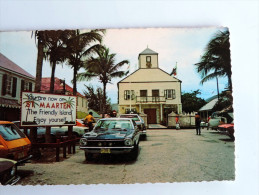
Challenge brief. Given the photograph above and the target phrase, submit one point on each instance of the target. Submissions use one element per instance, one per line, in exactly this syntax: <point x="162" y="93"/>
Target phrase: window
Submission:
<point x="115" y="125"/>
<point x="8" y="85"/>
<point x="155" y="93"/>
<point x="170" y="94"/>
<point x="26" y="86"/>
<point x="127" y="94"/>
<point x="10" y="132"/>
<point x="143" y="93"/>
<point x="148" y="58"/>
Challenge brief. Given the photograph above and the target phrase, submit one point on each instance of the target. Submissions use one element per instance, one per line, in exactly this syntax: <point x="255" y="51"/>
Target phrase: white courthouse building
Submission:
<point x="150" y="90"/>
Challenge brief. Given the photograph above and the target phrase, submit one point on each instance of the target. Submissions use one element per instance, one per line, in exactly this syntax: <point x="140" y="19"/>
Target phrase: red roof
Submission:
<point x="8" y="64"/>
<point x="58" y="86"/>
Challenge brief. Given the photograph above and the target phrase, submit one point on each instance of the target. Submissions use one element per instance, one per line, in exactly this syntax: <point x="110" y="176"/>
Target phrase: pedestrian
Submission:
<point x="89" y="120"/>
<point x="198" y="123"/>
<point x="177" y="124"/>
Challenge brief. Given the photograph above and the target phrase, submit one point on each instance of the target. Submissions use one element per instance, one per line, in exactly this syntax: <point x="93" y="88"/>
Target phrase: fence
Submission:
<point x="66" y="145"/>
<point x="186" y="120"/>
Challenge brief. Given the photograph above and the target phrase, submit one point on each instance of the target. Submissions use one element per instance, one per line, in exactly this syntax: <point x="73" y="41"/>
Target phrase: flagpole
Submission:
<point x="175" y="69"/>
<point x="130" y="97"/>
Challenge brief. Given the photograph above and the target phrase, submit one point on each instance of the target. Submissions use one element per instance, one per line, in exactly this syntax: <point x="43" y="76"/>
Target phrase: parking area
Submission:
<point x="165" y="156"/>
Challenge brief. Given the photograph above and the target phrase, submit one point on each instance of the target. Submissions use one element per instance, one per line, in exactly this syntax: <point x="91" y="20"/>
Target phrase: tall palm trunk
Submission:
<point x="74" y="81"/>
<point x="39" y="66"/>
<point x="104" y="99"/>
<point x="52" y="79"/>
<point x="217" y="86"/>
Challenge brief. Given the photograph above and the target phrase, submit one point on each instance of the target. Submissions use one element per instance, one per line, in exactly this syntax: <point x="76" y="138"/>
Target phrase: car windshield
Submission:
<point x="117" y="125"/>
<point x="133" y="117"/>
<point x="10" y="132"/>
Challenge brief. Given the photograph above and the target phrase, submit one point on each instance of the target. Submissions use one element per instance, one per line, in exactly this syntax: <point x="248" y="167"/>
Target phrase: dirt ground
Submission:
<point x="165" y="156"/>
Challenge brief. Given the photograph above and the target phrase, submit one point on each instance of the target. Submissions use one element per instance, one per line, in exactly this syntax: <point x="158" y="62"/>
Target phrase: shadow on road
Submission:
<point x="110" y="159"/>
<point x="216" y="132"/>
<point x="24" y="173"/>
<point x="227" y="140"/>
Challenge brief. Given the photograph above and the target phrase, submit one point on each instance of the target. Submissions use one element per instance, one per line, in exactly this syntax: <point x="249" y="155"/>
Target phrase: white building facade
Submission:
<point x="150" y="90"/>
<point x="13" y="80"/>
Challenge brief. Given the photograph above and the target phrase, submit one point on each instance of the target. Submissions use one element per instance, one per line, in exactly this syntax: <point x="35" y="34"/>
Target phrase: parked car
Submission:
<point x="14" y="144"/>
<point x="218" y="118"/>
<point x="78" y="131"/>
<point x="204" y="124"/>
<point x="57" y="132"/>
<point x="8" y="172"/>
<point x="228" y="129"/>
<point x="139" y="121"/>
<point x="112" y="136"/>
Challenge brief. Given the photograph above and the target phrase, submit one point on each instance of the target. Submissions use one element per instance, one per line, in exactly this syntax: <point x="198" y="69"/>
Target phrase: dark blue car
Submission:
<point x="112" y="136"/>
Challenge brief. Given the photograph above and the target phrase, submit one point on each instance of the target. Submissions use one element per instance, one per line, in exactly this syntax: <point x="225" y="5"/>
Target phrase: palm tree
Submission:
<point x="79" y="47"/>
<point x="40" y="36"/>
<point x="216" y="61"/>
<point x="56" y="50"/>
<point x="104" y="68"/>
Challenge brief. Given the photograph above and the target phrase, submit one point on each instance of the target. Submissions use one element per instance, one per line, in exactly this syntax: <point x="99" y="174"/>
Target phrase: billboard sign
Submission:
<point x="39" y="109"/>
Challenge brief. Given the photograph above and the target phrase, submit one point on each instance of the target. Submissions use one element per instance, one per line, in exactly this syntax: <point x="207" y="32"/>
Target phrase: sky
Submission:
<point x="183" y="46"/>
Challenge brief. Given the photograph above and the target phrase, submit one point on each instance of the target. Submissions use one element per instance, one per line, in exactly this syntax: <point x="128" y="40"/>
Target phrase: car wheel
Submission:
<point x="232" y="137"/>
<point x="88" y="156"/>
<point x="144" y="137"/>
<point x="134" y="152"/>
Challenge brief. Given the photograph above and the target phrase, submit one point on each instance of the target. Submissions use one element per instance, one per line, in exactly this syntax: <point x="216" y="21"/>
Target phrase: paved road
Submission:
<point x="166" y="156"/>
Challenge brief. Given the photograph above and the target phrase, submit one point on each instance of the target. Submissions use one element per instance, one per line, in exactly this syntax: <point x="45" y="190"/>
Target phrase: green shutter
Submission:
<point x="22" y="85"/>
<point x="14" y="87"/>
<point x="4" y="84"/>
<point x="30" y="86"/>
<point x="125" y="94"/>
<point x="132" y="95"/>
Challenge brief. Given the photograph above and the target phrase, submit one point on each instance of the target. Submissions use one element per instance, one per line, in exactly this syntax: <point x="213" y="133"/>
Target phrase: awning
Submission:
<point x="7" y="103"/>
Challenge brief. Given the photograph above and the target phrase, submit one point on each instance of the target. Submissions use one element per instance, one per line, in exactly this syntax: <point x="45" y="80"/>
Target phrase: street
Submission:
<point x="165" y="156"/>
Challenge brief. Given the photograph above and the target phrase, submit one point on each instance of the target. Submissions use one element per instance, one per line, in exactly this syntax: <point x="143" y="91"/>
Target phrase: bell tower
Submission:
<point x="148" y="59"/>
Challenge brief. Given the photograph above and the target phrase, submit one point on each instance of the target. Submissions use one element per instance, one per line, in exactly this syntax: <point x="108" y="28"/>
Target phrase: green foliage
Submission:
<point x="225" y="102"/>
<point x="190" y="101"/>
<point x="81" y="46"/>
<point x="95" y="97"/>
<point x="103" y="67"/>
<point x="80" y="114"/>
<point x="216" y="61"/>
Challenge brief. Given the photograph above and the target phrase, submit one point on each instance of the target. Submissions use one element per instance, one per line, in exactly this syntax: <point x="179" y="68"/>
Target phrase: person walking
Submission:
<point x="198" y="123"/>
<point x="177" y="124"/>
<point x="89" y="120"/>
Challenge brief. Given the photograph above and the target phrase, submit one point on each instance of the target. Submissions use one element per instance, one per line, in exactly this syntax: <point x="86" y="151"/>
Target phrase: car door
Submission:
<point x="136" y="133"/>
